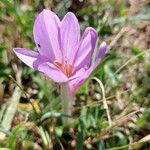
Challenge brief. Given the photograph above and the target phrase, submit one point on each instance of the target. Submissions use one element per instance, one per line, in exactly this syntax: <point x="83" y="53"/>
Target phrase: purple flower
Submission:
<point x="62" y="55"/>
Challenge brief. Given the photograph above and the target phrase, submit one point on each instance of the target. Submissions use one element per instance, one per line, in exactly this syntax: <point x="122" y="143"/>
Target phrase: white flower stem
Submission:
<point x="67" y="101"/>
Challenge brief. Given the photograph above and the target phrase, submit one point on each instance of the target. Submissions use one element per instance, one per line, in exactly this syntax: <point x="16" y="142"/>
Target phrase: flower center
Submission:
<point x="66" y="68"/>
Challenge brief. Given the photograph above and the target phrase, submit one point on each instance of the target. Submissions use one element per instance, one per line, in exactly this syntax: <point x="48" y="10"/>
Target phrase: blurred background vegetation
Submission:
<point x="30" y="103"/>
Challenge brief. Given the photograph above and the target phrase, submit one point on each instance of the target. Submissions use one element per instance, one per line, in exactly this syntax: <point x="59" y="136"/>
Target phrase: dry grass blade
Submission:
<point x="1" y="93"/>
<point x="127" y="63"/>
<point x="145" y="139"/>
<point x="97" y="103"/>
<point x="118" y="36"/>
<point x="104" y="100"/>
<point x="117" y="122"/>
<point x="130" y="60"/>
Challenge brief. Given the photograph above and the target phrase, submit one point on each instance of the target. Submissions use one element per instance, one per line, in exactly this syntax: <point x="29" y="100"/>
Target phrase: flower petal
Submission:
<point x="27" y="56"/>
<point x="69" y="36"/>
<point x="101" y="51"/>
<point x="46" y="35"/>
<point x="74" y="84"/>
<point x="52" y="72"/>
<point x="78" y="73"/>
<point x="85" y="51"/>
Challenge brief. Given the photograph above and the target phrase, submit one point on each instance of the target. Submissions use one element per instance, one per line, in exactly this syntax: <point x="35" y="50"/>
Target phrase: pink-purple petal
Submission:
<point x="27" y="56"/>
<point x="46" y="34"/>
<point x="69" y="36"/>
<point x="101" y="51"/>
<point x="52" y="72"/>
<point x="74" y="84"/>
<point x="78" y="73"/>
<point x="84" y="55"/>
<point x="60" y="41"/>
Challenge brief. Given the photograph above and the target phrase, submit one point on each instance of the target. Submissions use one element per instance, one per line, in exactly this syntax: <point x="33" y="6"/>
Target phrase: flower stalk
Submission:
<point x="67" y="103"/>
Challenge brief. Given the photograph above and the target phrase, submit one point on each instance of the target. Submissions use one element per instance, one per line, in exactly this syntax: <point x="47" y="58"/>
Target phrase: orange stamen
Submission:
<point x="68" y="70"/>
<point x="58" y="64"/>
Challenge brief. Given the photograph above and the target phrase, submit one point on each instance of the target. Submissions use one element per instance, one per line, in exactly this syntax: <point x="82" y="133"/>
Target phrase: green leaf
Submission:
<point x="15" y="134"/>
<point x="11" y="109"/>
<point x="80" y="138"/>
